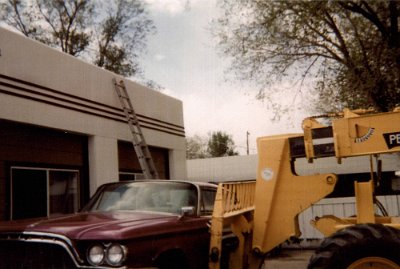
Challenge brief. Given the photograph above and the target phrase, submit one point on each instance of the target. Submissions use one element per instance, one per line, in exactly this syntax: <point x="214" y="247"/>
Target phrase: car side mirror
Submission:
<point x="187" y="211"/>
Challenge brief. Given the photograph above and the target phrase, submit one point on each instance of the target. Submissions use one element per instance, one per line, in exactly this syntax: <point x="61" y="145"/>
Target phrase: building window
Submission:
<point x="40" y="192"/>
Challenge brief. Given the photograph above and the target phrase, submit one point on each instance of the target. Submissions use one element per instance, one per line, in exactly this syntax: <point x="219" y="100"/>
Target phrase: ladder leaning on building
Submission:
<point x="139" y="143"/>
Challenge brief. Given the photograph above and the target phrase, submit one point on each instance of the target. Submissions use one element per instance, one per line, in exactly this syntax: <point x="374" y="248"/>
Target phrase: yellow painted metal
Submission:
<point x="357" y="135"/>
<point x="373" y="263"/>
<point x="216" y="230"/>
<point x="233" y="208"/>
<point x="282" y="195"/>
<point x="308" y="125"/>
<point x="364" y="202"/>
<point x="328" y="225"/>
<point x="241" y="227"/>
<point x="358" y="132"/>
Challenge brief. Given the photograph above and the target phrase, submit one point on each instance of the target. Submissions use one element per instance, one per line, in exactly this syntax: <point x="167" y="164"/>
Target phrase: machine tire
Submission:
<point x="358" y="246"/>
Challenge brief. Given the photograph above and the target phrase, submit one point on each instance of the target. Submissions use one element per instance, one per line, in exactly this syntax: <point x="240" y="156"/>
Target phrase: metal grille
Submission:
<point x="33" y="255"/>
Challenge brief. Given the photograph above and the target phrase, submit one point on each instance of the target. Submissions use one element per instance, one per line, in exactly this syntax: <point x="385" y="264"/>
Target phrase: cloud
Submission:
<point x="236" y="114"/>
<point x="159" y="57"/>
<point x="174" y="7"/>
<point x="168" y="6"/>
<point x="182" y="59"/>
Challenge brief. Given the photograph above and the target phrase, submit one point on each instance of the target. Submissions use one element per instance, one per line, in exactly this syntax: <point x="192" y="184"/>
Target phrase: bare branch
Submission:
<point x="369" y="14"/>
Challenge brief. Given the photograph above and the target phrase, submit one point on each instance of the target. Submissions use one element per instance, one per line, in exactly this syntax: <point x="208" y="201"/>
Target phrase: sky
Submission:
<point x="183" y="58"/>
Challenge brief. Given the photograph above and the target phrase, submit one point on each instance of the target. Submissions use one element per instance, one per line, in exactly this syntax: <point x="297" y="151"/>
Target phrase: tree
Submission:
<point x="112" y="34"/>
<point x="221" y="144"/>
<point x="123" y="37"/>
<point x="350" y="50"/>
<point x="196" y="147"/>
<point x="59" y="24"/>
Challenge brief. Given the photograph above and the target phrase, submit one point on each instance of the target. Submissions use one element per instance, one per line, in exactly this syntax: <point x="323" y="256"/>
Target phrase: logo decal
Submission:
<point x="366" y="136"/>
<point x="392" y="139"/>
<point x="267" y="174"/>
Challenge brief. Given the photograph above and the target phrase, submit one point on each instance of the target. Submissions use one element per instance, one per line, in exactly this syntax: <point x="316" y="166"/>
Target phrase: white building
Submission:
<point x="63" y="133"/>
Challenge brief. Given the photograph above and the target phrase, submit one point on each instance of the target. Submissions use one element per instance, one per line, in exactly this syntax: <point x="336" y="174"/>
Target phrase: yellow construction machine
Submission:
<point x="264" y="214"/>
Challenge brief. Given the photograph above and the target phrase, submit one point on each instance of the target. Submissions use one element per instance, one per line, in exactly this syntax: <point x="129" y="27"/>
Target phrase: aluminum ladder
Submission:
<point x="142" y="150"/>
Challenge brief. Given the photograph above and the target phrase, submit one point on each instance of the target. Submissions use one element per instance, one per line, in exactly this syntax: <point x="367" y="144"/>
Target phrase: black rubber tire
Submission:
<point x="354" y="243"/>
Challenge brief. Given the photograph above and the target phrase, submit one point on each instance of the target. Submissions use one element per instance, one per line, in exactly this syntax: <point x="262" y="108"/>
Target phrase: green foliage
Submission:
<point x="218" y="144"/>
<point x="60" y="24"/>
<point x="110" y="33"/>
<point x="350" y="50"/>
<point x="221" y="144"/>
<point x="123" y="36"/>
<point x="196" y="147"/>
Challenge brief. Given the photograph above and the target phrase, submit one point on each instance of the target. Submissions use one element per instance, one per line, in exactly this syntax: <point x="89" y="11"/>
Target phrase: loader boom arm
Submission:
<point x="280" y="195"/>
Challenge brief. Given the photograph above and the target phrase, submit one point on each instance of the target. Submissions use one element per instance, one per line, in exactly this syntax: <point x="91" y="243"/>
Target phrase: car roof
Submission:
<point x="200" y="184"/>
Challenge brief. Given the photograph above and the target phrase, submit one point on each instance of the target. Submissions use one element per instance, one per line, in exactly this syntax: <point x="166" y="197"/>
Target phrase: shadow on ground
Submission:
<point x="288" y="259"/>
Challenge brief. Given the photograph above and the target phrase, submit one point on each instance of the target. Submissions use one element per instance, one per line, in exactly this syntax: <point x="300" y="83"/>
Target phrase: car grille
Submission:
<point x="33" y="255"/>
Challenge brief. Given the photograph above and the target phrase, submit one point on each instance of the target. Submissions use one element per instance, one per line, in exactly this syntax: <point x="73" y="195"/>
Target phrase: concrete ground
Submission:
<point x="289" y="259"/>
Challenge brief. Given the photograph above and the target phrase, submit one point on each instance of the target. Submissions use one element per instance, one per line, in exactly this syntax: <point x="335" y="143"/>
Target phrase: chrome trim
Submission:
<point x="55" y="239"/>
<point x="64" y="241"/>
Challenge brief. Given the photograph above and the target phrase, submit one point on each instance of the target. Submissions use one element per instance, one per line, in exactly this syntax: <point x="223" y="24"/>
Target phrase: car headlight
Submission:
<point x="95" y="254"/>
<point x="115" y="254"/>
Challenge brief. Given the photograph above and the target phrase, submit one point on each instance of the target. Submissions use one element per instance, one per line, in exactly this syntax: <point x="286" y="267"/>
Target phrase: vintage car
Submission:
<point x="137" y="224"/>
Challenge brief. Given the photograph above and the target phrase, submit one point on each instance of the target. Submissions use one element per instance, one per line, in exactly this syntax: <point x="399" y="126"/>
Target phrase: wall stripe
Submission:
<point x="35" y="92"/>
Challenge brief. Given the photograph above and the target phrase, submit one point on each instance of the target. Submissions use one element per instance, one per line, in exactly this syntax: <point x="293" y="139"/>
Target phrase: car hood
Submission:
<point x="94" y="225"/>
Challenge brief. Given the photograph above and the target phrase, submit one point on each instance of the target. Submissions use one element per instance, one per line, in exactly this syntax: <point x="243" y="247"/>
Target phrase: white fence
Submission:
<point x="340" y="207"/>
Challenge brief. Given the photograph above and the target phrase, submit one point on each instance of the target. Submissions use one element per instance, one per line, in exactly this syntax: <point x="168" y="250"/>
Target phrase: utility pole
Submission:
<point x="247" y="141"/>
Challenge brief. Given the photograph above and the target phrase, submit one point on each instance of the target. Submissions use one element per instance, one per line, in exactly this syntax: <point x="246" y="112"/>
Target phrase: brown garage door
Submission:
<point x="41" y="152"/>
<point x="129" y="166"/>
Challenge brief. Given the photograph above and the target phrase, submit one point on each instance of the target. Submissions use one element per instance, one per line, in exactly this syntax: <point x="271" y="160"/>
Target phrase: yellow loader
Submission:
<point x="264" y="214"/>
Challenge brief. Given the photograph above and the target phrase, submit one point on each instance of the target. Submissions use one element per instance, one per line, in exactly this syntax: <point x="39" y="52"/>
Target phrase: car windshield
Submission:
<point x="167" y="197"/>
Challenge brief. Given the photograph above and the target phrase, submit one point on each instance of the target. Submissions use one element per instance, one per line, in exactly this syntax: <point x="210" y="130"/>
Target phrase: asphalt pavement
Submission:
<point x="289" y="259"/>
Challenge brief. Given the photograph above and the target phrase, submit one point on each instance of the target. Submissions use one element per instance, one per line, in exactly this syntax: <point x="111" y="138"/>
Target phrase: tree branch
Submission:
<point x="369" y="14"/>
<point x="343" y="47"/>
<point x="394" y="24"/>
<point x="19" y="22"/>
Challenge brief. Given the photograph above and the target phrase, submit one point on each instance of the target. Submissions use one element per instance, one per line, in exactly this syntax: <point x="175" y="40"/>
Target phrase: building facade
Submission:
<point x="63" y="132"/>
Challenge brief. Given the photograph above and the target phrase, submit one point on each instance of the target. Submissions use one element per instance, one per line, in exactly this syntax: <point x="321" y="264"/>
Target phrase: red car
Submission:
<point x="141" y="224"/>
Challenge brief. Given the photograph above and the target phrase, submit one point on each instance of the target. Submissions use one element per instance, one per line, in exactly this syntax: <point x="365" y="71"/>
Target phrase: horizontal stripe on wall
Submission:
<point x="38" y="93"/>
